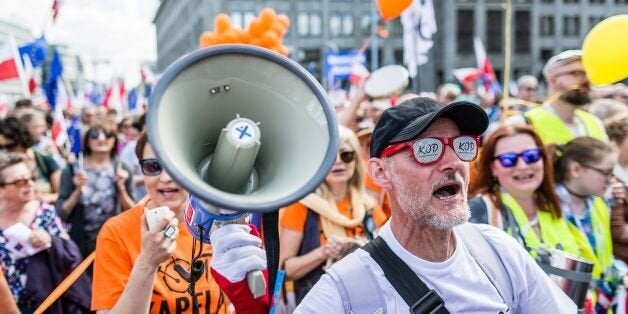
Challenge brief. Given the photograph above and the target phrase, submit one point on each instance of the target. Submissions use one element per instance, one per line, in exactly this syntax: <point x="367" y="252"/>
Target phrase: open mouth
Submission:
<point x="523" y="177"/>
<point x="447" y="190"/>
<point x="167" y="192"/>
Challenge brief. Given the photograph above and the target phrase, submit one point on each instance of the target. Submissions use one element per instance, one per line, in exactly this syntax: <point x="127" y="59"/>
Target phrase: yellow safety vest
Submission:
<point x="552" y="129"/>
<point x="602" y="256"/>
<point x="555" y="232"/>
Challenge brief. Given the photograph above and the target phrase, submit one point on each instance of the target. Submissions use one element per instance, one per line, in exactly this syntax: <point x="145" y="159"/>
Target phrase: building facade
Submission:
<point x="539" y="29"/>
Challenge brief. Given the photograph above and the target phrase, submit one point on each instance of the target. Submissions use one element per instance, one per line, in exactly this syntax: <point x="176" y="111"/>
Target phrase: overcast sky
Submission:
<point x="120" y="31"/>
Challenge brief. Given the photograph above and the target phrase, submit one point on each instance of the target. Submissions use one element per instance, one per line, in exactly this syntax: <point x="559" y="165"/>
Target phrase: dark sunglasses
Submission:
<point x="429" y="150"/>
<point x="529" y="156"/>
<point x="9" y="146"/>
<point x="20" y="183"/>
<point x="151" y="167"/>
<point x="347" y="156"/>
<point x="94" y="134"/>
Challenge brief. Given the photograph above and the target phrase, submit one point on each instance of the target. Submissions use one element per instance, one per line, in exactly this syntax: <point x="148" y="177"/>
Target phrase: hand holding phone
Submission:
<point x="153" y="215"/>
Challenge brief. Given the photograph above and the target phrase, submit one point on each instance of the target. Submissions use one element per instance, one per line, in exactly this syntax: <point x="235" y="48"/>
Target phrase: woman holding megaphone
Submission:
<point x="150" y="265"/>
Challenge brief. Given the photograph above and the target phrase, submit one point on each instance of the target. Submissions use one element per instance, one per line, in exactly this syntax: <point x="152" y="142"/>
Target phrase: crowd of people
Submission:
<point x="411" y="170"/>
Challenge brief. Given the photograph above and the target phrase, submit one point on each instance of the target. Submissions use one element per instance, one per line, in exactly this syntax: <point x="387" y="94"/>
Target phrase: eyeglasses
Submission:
<point x="529" y="156"/>
<point x="9" y="146"/>
<point x="605" y="173"/>
<point x="20" y="183"/>
<point x="347" y="156"/>
<point x="428" y="150"/>
<point x="151" y="167"/>
<point x="576" y="73"/>
<point x="94" y="134"/>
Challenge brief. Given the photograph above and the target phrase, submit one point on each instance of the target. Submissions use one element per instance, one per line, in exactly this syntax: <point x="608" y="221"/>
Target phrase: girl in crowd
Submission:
<point x="616" y="128"/>
<point x="95" y="189"/>
<point x="142" y="270"/>
<point x="14" y="137"/>
<point x="515" y="189"/>
<point x="29" y="275"/>
<point x="322" y="227"/>
<point x="584" y="172"/>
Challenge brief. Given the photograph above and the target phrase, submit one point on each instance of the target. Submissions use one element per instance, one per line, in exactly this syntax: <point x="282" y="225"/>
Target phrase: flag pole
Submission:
<point x="19" y="66"/>
<point x="507" y="48"/>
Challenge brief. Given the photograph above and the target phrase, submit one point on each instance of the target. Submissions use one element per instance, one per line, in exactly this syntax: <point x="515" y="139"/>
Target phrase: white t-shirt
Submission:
<point x="459" y="281"/>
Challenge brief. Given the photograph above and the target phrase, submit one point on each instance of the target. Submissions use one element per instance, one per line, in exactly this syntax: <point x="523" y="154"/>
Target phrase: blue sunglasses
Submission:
<point x="529" y="156"/>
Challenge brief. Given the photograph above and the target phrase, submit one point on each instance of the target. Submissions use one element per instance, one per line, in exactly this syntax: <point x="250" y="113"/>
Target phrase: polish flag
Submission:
<point x="59" y="127"/>
<point x="487" y="74"/>
<point x="358" y="73"/>
<point x="8" y="63"/>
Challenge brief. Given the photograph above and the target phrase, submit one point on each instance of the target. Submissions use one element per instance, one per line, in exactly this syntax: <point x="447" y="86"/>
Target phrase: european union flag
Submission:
<point x="74" y="134"/>
<point x="35" y="50"/>
<point x="56" y="69"/>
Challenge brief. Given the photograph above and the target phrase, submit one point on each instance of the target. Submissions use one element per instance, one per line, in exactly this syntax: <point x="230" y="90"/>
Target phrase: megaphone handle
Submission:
<point x="257" y="284"/>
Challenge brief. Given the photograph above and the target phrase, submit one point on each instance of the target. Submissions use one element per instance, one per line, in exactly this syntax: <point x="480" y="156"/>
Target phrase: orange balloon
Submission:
<point x="267" y="18"/>
<point x="284" y="20"/>
<point x="278" y="29"/>
<point x="256" y="42"/>
<point x="391" y="9"/>
<point x="207" y="39"/>
<point x="269" y="39"/>
<point x="283" y="50"/>
<point x="243" y="36"/>
<point x="255" y="29"/>
<point x="230" y="36"/>
<point x="222" y="22"/>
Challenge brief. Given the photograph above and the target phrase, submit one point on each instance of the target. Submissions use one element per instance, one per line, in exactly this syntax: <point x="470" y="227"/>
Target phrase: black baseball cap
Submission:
<point x="412" y="117"/>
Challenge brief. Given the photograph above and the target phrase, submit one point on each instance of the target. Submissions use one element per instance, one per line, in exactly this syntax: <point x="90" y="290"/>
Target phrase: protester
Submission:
<point x="34" y="264"/>
<point x="561" y="118"/>
<point x="516" y="191"/>
<point x="35" y="122"/>
<point x="127" y="155"/>
<point x="94" y="189"/>
<point x="427" y="185"/>
<point x="584" y="172"/>
<point x="323" y="226"/>
<point x="138" y="270"/>
<point x="15" y="138"/>
<point x="526" y="88"/>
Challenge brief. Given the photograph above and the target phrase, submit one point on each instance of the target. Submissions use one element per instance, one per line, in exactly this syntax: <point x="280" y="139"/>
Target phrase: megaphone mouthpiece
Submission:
<point x="231" y="166"/>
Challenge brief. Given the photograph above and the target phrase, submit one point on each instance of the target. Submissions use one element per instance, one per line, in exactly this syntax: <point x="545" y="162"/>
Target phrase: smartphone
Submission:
<point x="153" y="215"/>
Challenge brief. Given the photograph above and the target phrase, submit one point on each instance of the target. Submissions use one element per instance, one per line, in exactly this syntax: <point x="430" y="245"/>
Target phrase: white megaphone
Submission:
<point x="243" y="129"/>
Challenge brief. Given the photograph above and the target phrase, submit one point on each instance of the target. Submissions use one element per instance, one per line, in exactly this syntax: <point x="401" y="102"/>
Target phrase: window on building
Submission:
<point x="316" y="26"/>
<point x="546" y="27"/>
<point x="522" y="31"/>
<point x="365" y="23"/>
<point x="248" y="17"/>
<point x="303" y="24"/>
<point x="465" y="30"/>
<point x="547" y="1"/>
<point x="335" y="25"/>
<point x="571" y="26"/>
<point x="494" y="31"/>
<point x="572" y="1"/>
<point x="621" y="1"/>
<point x="546" y="54"/>
<point x="395" y="27"/>
<point x="347" y="24"/>
<point x="237" y="19"/>
<point x="597" y="1"/>
<point x="593" y="20"/>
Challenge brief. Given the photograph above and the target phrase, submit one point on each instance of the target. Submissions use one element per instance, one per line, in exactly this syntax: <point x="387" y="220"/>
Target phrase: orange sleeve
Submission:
<point x="112" y="268"/>
<point x="294" y="217"/>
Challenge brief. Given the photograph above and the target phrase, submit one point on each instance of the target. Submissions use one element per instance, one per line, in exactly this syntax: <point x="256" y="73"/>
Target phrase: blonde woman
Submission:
<point x="324" y="226"/>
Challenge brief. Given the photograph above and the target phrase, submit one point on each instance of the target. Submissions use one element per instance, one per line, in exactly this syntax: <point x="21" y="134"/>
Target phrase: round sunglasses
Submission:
<point x="429" y="150"/>
<point x="151" y="167"/>
<point x="529" y="156"/>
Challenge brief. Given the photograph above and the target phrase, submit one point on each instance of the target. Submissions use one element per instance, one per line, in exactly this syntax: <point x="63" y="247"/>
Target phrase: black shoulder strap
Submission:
<point x="417" y="295"/>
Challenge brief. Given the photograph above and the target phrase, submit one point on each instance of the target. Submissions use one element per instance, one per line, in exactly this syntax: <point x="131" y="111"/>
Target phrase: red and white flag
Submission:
<point x="59" y="127"/>
<point x="487" y="74"/>
<point x="358" y="73"/>
<point x="9" y="62"/>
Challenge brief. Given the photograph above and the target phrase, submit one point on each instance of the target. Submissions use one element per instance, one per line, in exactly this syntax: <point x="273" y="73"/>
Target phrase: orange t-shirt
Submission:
<point x="117" y="248"/>
<point x="294" y="216"/>
<point x="381" y="213"/>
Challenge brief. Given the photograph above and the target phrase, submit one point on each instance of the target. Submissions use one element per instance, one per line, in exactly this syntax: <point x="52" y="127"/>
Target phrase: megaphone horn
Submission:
<point x="202" y="93"/>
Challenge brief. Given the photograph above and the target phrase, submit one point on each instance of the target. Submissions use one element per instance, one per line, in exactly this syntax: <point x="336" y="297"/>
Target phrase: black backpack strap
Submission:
<point x="417" y="295"/>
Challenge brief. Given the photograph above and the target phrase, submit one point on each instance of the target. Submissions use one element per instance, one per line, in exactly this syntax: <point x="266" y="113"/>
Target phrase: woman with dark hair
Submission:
<point x="617" y="129"/>
<point x="95" y="189"/>
<point x="14" y="137"/>
<point x="515" y="189"/>
<point x="584" y="172"/>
